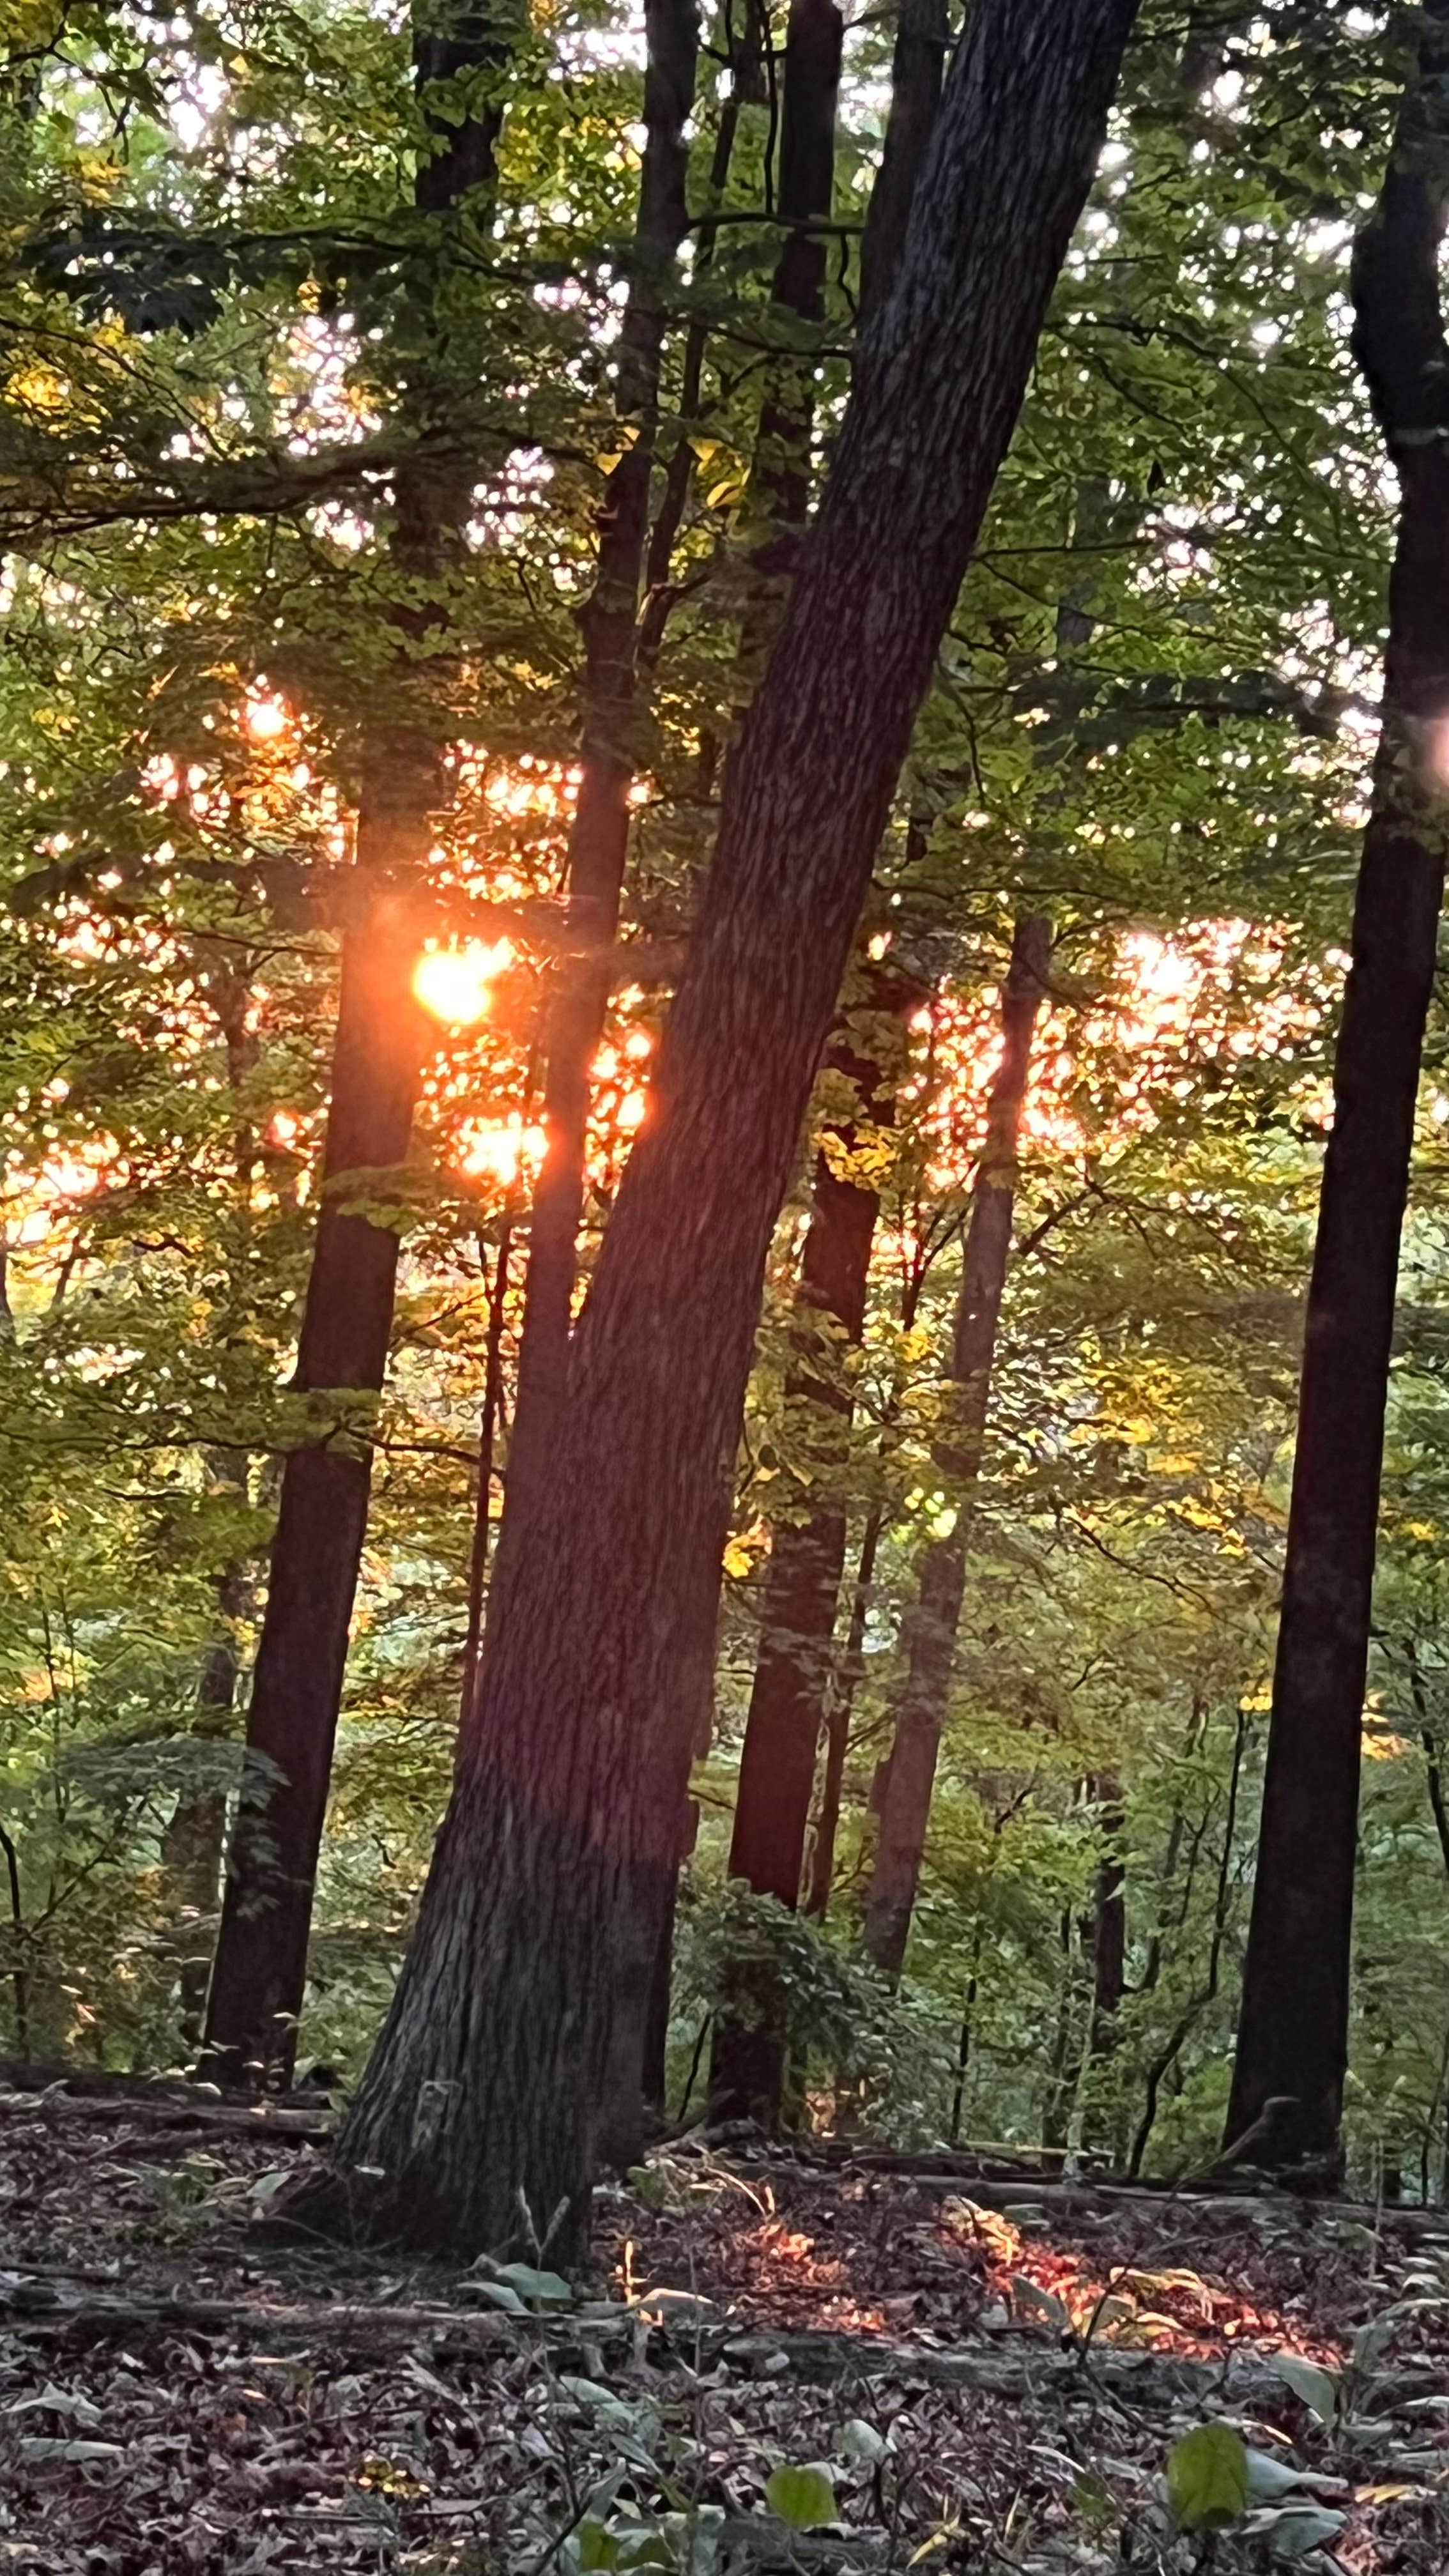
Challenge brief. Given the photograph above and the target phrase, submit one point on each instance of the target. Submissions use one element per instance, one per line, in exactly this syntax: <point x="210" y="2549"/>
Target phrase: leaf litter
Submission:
<point x="785" y="2408"/>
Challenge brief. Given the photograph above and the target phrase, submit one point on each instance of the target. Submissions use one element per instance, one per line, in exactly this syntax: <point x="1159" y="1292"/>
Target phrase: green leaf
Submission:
<point x="803" y="2496"/>
<point x="1207" y="2477"/>
<point x="1318" y="2388"/>
<point x="597" y="2546"/>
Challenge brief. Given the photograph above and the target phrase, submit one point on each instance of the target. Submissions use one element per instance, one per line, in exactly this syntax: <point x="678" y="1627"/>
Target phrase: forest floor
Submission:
<point x="989" y="2371"/>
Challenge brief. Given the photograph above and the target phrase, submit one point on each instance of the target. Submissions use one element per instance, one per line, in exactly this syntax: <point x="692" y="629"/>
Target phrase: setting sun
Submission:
<point x="453" y="983"/>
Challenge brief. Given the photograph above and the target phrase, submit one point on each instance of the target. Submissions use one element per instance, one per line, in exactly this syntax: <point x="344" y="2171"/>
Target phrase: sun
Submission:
<point x="453" y="984"/>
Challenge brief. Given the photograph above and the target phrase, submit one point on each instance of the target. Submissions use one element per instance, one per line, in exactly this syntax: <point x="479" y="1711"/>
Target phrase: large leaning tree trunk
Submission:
<point x="903" y="1794"/>
<point x="259" y="1973"/>
<point x="807" y="1555"/>
<point x="780" y="490"/>
<point x="599" y="834"/>
<point x="564" y="1822"/>
<point x="1293" y="2031"/>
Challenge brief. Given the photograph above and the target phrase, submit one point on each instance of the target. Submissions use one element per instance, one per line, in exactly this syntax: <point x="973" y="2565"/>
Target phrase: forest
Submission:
<point x="724" y="1286"/>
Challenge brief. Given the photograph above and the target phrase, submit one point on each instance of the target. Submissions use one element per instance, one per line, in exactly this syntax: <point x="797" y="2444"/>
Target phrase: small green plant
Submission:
<point x="802" y="2496"/>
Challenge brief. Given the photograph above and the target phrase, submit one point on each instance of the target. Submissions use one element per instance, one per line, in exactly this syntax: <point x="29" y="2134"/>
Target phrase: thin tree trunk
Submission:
<point x="1152" y="1964"/>
<point x="260" y="1969"/>
<point x="920" y="1714"/>
<point x="1056" y="2102"/>
<point x="194" y="1842"/>
<point x="1293" y="2032"/>
<point x="840" y="1708"/>
<point x="565" y="1819"/>
<point x="1107" y="1932"/>
<point x="1109" y="1921"/>
<point x="792" y="1673"/>
<point x="918" y="67"/>
<point x="964" y="2037"/>
<point x="487" y="1445"/>
<point x="781" y="470"/>
<point x="1167" y="2057"/>
<point x="19" y="1974"/>
<point x="746" y="85"/>
<point x="656" y="2027"/>
<point x="599" y="835"/>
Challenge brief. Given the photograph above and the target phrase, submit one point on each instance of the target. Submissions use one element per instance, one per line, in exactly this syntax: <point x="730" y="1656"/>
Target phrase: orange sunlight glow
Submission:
<point x="265" y="718"/>
<point x="1213" y="993"/>
<point x="453" y="983"/>
<point x="501" y="1149"/>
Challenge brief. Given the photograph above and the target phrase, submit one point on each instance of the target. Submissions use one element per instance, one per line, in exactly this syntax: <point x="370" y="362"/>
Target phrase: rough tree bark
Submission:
<point x="807" y="1557"/>
<point x="599" y="834"/>
<point x="259" y="1972"/>
<point x="1293" y="2029"/>
<point x="903" y="1797"/>
<point x="565" y="1816"/>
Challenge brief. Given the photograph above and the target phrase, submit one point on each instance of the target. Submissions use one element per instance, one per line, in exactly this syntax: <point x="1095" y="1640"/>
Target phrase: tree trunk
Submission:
<point x="781" y="470"/>
<point x="1056" y="2103"/>
<point x="905" y="1791"/>
<point x="1164" y="2063"/>
<point x="807" y="1557"/>
<point x="261" y="1960"/>
<point x="488" y="1431"/>
<point x="918" y="67"/>
<point x="839" y="1708"/>
<point x="599" y="835"/>
<point x="1293" y="2032"/>
<point x="19" y="1935"/>
<point x="794" y="1674"/>
<point x="1107" y="1932"/>
<point x="194" y="1842"/>
<point x="565" y="1818"/>
<point x="1109" y="1920"/>
<point x="598" y="847"/>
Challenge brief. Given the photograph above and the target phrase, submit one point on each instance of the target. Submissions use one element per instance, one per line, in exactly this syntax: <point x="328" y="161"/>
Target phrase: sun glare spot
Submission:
<point x="265" y="718"/>
<point x="454" y="983"/>
<point x="501" y="1149"/>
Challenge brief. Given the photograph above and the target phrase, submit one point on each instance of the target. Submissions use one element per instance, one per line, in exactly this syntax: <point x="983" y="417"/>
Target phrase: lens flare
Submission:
<point x="453" y="983"/>
<point x="265" y="718"/>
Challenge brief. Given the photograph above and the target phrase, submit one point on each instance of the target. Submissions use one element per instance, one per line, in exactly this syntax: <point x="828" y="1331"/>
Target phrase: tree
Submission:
<point x="563" y="1830"/>
<point x="807" y="1556"/>
<point x="260" y="1967"/>
<point x="1293" y="2032"/>
<point x="904" y="1793"/>
<point x="599" y="834"/>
